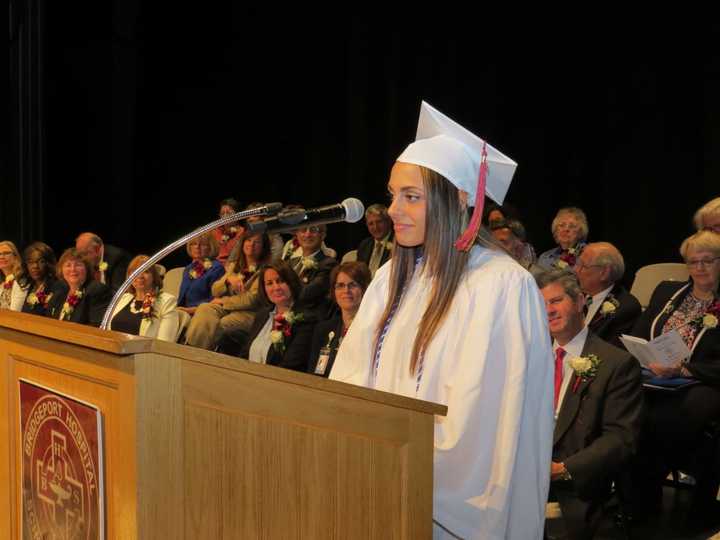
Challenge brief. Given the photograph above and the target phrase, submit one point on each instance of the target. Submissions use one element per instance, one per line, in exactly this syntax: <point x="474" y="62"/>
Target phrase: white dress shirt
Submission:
<point x="597" y="300"/>
<point x="572" y="348"/>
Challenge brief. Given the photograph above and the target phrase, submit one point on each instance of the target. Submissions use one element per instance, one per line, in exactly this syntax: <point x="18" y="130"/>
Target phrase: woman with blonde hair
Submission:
<point x="708" y="216"/>
<point x="456" y="321"/>
<point x="144" y="310"/>
<point x="200" y="274"/>
<point x="13" y="280"/>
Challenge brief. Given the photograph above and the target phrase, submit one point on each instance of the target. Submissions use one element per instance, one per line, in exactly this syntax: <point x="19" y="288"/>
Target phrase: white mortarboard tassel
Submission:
<point x="462" y="157"/>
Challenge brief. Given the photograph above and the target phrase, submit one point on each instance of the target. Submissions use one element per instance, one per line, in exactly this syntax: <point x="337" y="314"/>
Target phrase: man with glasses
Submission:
<point x="313" y="267"/>
<point x="611" y="310"/>
<point x="109" y="262"/>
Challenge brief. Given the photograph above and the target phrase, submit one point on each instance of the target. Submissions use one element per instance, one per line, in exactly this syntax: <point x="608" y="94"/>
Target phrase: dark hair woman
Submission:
<point x="456" y="321"/>
<point x="348" y="283"/>
<point x="40" y="262"/>
<point x="281" y="334"/>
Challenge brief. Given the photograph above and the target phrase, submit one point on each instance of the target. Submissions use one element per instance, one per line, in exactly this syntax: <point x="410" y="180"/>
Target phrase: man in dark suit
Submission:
<point x="611" y="309"/>
<point x="109" y="262"/>
<point x="598" y="397"/>
<point x="313" y="268"/>
<point x="376" y="250"/>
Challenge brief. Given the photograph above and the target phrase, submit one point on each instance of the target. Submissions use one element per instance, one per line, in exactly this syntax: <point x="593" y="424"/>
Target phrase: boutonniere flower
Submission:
<point x="70" y="302"/>
<point x="199" y="268"/>
<point x="389" y="245"/>
<point x="282" y="328"/>
<point x="709" y="319"/>
<point x="585" y="367"/>
<point x="609" y="306"/>
<point x="103" y="266"/>
<point x="8" y="283"/>
<point x="308" y="263"/>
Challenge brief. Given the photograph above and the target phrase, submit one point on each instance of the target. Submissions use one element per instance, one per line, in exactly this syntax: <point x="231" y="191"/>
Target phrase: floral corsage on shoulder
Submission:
<point x="147" y="306"/>
<point x="709" y="319"/>
<point x="229" y="235"/>
<point x="568" y="257"/>
<point x="8" y="283"/>
<point x="199" y="268"/>
<point x="282" y="328"/>
<point x="71" y="301"/>
<point x="41" y="296"/>
<point x="585" y="367"/>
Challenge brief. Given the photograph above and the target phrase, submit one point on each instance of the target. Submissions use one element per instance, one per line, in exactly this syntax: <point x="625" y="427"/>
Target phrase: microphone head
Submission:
<point x="354" y="209"/>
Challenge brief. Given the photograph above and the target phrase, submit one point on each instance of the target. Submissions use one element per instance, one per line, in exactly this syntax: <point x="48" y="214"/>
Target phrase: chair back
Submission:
<point x="173" y="278"/>
<point x="648" y="277"/>
<point x="350" y="256"/>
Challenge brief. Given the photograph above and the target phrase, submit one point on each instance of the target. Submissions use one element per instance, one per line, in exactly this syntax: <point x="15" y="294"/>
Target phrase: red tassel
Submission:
<point x="467" y="238"/>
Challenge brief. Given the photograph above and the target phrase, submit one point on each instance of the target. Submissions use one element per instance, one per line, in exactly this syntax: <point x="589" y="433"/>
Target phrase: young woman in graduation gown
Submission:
<point x="462" y="325"/>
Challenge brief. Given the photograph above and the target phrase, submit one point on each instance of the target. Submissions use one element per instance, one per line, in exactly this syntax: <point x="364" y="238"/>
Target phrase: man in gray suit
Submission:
<point x="598" y="407"/>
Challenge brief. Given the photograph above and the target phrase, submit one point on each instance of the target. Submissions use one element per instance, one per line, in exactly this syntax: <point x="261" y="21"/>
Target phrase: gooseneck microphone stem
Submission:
<point x="268" y="209"/>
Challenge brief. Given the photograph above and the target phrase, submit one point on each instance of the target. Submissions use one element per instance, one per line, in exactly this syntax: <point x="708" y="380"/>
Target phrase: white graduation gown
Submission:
<point x="491" y="364"/>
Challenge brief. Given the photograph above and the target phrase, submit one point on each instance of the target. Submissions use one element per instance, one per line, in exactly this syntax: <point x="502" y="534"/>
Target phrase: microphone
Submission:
<point x="350" y="210"/>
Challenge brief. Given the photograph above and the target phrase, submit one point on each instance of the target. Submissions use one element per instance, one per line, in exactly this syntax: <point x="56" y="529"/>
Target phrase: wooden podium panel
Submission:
<point x="201" y="445"/>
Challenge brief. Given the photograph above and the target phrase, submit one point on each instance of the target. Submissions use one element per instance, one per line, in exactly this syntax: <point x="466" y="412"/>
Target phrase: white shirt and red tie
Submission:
<point x="563" y="371"/>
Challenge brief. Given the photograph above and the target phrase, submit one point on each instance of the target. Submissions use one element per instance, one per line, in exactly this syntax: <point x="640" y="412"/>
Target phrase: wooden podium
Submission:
<point x="201" y="445"/>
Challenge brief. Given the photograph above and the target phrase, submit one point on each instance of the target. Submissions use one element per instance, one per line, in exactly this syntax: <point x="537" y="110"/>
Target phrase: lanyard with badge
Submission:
<point x="324" y="356"/>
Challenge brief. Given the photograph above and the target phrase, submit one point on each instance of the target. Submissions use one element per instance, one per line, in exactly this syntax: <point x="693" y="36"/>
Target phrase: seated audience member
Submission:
<point x="313" y="267"/>
<point x="12" y="275"/>
<point x="598" y="407"/>
<point x="109" y="263"/>
<point x="77" y="297"/>
<point x="570" y="230"/>
<point x="281" y="334"/>
<point x="376" y="250"/>
<point x="144" y="310"/>
<point x="236" y="298"/>
<point x="708" y="216"/>
<point x="510" y="234"/>
<point x="200" y="274"/>
<point x="293" y="249"/>
<point x="348" y="282"/>
<point x="611" y="310"/>
<point x="227" y="235"/>
<point x="277" y="243"/>
<point x="41" y="263"/>
<point x="676" y="421"/>
<point x="496" y="212"/>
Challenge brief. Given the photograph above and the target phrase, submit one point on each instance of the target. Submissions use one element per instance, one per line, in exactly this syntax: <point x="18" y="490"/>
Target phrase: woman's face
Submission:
<point x="348" y="293"/>
<point x="704" y="268"/>
<point x="567" y="231"/>
<point x="712" y="223"/>
<point x="7" y="259"/>
<point x="276" y="289"/>
<point x="252" y="247"/>
<point x="74" y="272"/>
<point x="407" y="209"/>
<point x="144" y="282"/>
<point x="199" y="249"/>
<point x="36" y="265"/>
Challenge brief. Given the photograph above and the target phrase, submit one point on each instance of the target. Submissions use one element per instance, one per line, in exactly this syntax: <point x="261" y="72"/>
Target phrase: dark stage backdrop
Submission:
<point x="153" y="112"/>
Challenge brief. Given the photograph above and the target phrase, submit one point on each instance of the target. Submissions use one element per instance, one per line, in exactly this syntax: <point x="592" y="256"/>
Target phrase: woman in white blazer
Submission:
<point x="144" y="310"/>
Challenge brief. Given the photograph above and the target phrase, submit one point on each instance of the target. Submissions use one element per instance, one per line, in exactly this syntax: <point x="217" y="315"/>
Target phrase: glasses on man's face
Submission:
<point x="350" y="286"/>
<point x="701" y="263"/>
<point x="581" y="265"/>
<point x="312" y="230"/>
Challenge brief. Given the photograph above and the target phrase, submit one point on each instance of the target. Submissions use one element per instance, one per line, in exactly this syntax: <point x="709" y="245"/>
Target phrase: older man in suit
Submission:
<point x="598" y="407"/>
<point x="376" y="250"/>
<point x="611" y="309"/>
<point x="313" y="268"/>
<point x="109" y="262"/>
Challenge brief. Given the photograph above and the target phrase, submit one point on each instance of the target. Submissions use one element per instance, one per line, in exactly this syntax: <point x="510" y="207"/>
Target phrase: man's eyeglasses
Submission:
<point x="580" y="265"/>
<point x="701" y="263"/>
<point x="314" y="229"/>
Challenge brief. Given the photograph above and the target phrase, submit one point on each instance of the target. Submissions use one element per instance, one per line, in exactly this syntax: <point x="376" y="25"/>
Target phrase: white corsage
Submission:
<point x="103" y="266"/>
<point x="308" y="263"/>
<point x="710" y="320"/>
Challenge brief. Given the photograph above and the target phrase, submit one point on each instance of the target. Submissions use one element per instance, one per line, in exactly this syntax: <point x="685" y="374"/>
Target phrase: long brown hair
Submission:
<point x="442" y="262"/>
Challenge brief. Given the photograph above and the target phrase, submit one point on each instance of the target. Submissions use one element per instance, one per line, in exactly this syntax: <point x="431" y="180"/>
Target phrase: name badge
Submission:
<point x="322" y="362"/>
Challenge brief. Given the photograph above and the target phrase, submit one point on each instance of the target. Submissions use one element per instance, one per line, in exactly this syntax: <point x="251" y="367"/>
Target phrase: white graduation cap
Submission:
<point x="446" y="147"/>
